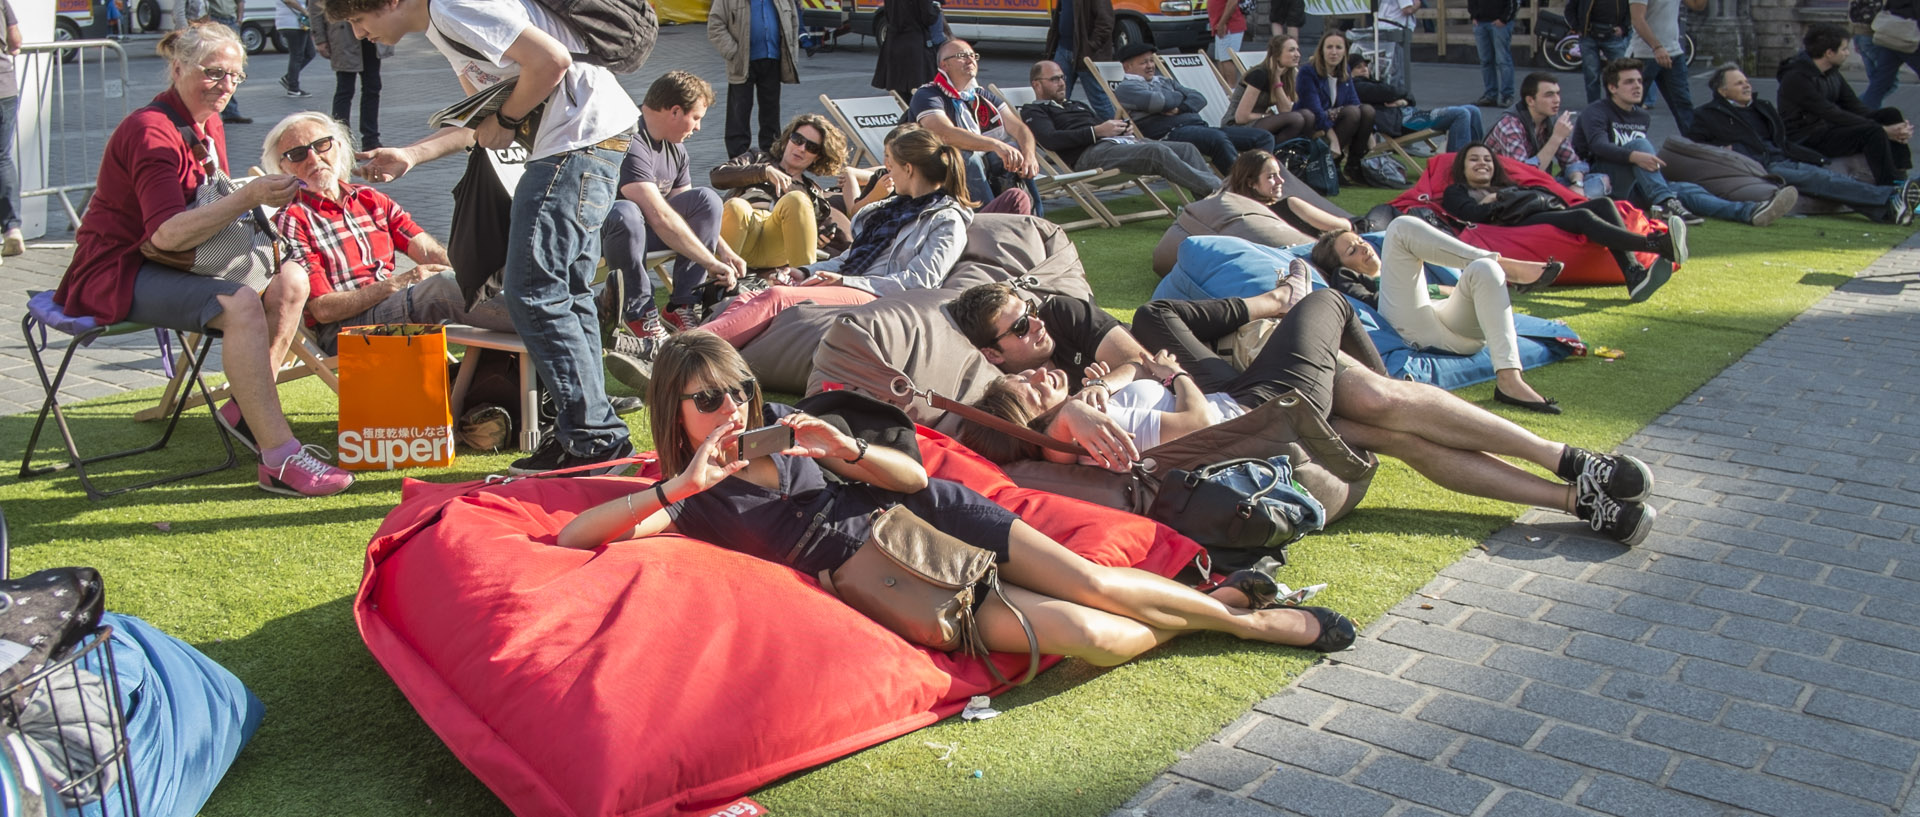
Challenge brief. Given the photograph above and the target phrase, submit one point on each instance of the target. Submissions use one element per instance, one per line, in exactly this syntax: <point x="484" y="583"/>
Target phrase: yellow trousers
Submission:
<point x="782" y="237"/>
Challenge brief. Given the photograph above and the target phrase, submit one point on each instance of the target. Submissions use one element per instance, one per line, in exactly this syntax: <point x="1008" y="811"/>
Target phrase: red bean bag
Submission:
<point x="1588" y="264"/>
<point x="665" y="676"/>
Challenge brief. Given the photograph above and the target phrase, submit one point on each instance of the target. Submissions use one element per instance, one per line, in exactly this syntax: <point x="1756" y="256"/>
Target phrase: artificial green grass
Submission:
<point x="265" y="584"/>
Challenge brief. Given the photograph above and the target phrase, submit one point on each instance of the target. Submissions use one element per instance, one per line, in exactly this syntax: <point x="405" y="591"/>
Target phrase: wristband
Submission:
<point x="1175" y="376"/>
<point x="500" y="116"/>
<point x="862" y="445"/>
<point x="660" y="493"/>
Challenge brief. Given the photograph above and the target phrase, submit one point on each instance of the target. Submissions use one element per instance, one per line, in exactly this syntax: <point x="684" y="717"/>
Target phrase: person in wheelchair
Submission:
<point x="152" y="175"/>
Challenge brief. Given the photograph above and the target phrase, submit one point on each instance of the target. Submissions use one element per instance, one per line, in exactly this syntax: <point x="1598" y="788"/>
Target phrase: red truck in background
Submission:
<point x="1170" y="25"/>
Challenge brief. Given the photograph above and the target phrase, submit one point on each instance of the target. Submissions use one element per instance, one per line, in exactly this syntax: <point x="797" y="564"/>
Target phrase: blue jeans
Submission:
<point x="233" y="103"/>
<point x="1096" y="98"/>
<point x="625" y="242"/>
<point x="9" y="175"/>
<point x="558" y="209"/>
<point x="1650" y="187"/>
<point x="1595" y="53"/>
<point x="1883" y="69"/>
<point x="982" y="165"/>
<point x="1819" y="182"/>
<point x="1221" y="145"/>
<point x="1672" y="83"/>
<point x="1495" y="41"/>
<point x="1461" y="123"/>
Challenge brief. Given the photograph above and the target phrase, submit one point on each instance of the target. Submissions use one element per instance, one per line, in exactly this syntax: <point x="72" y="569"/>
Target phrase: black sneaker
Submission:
<point x="1622" y="477"/>
<point x="1643" y="282"/>
<point x="1774" y="208"/>
<point x="624" y="405"/>
<point x="553" y="457"/>
<point x="291" y="90"/>
<point x="1625" y="522"/>
<point x="630" y="360"/>
<point x="1673" y="207"/>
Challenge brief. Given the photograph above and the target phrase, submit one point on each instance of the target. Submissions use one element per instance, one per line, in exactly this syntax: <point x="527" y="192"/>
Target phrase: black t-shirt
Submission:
<point x="1257" y="80"/>
<point x="1077" y="327"/>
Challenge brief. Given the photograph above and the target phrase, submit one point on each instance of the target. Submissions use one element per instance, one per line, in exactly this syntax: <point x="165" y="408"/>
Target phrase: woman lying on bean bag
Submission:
<point x="1483" y="193"/>
<point x="1477" y="314"/>
<point x="811" y="506"/>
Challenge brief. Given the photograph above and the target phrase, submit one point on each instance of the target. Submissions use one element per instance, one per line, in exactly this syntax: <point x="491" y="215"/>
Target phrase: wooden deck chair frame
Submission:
<point x="1109" y="179"/>
<point x="868" y="138"/>
<point x="1396" y="145"/>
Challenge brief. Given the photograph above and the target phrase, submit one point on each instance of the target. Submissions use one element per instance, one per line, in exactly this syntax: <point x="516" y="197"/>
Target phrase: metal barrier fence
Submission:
<point x="82" y="96"/>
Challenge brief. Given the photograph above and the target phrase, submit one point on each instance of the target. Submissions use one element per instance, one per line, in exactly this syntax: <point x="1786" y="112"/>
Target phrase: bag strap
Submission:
<point x="940" y="401"/>
<point x="1033" y="641"/>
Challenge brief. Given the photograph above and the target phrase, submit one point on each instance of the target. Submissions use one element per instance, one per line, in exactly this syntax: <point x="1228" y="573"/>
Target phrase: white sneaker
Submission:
<point x="13" y="244"/>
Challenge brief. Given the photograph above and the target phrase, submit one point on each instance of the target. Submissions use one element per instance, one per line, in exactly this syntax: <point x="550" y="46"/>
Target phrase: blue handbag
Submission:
<point x="1244" y="504"/>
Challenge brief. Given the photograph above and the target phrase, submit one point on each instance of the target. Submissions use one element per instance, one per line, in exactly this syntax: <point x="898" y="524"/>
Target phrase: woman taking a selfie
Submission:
<point x="784" y="507"/>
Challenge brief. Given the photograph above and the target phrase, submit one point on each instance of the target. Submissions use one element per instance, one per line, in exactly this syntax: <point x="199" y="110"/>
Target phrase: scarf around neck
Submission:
<point x="986" y="115"/>
<point x="877" y="233"/>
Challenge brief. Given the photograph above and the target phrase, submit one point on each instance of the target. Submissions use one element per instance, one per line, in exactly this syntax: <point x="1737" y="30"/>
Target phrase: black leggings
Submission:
<point x="1299" y="354"/>
<point x="1599" y="220"/>
<point x="1354" y="125"/>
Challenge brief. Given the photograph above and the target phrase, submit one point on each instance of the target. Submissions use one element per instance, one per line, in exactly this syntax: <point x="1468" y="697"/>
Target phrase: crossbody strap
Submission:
<point x="1021" y="432"/>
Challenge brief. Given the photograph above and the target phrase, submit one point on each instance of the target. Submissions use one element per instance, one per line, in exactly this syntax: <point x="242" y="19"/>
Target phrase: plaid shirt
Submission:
<point x="347" y="244"/>
<point x="1509" y="137"/>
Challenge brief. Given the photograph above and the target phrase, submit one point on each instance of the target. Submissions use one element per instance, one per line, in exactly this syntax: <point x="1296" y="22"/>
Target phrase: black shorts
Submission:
<point x="1290" y="13"/>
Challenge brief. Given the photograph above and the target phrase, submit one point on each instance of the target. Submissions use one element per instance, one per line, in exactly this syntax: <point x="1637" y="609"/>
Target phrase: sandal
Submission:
<point x="1336" y="630"/>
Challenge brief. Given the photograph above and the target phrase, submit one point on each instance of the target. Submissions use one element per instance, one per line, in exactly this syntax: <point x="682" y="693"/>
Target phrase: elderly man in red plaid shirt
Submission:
<point x="344" y="237"/>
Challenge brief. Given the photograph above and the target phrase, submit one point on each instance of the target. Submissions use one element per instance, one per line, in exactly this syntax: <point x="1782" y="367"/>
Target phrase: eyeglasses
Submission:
<point x="805" y="144"/>
<point x="1054" y="78"/>
<point x="708" y="401"/>
<point x="1021" y="325"/>
<point x="219" y="75"/>
<point x="969" y="56"/>
<point x="322" y="146"/>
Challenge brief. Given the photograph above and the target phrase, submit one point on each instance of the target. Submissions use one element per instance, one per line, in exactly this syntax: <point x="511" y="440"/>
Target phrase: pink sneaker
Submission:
<point x="306" y="473"/>
<point x="229" y="418"/>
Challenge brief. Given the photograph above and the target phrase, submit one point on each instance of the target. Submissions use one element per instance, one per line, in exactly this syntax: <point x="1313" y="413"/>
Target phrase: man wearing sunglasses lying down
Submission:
<point x="1450" y="441"/>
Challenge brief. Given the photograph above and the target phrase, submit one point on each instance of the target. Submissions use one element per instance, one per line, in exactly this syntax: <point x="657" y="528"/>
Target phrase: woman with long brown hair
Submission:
<point x="1256" y="175"/>
<point x="810" y="506"/>
<point x="1268" y="96"/>
<point x="1326" y="90"/>
<point x="910" y="240"/>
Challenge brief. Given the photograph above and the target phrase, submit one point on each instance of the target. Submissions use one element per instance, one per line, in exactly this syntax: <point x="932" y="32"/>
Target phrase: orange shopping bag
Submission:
<point x="393" y="397"/>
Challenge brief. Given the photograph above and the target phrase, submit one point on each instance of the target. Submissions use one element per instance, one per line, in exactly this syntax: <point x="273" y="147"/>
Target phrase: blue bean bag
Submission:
<point x="186" y="719"/>
<point x="1224" y="267"/>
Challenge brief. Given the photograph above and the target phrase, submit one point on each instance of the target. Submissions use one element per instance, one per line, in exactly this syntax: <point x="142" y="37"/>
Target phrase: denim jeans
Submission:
<point x="1461" y="123"/>
<point x="1650" y="187"/>
<point x="558" y="209"/>
<point x="1221" y="145"/>
<point x="1595" y="52"/>
<point x="1096" y="98"/>
<point x="1672" y="83"/>
<point x="1819" y="182"/>
<point x="625" y="242"/>
<point x="983" y="165"/>
<point x="9" y="174"/>
<point x="232" y="110"/>
<point x="1883" y="69"/>
<point x="299" y="52"/>
<point x="1495" y="42"/>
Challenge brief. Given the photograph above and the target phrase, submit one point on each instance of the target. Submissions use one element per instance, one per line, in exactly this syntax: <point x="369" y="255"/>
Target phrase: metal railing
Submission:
<point x="79" y="85"/>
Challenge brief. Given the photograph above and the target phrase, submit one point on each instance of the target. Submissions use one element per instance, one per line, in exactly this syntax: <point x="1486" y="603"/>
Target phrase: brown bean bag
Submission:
<point x="1230" y="214"/>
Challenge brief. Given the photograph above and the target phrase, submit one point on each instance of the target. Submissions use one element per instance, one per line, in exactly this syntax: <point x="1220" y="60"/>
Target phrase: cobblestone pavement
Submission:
<point x="1756" y="655"/>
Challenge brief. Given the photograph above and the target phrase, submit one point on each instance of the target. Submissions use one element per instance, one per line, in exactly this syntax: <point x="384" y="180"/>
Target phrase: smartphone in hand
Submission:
<point x="760" y="442"/>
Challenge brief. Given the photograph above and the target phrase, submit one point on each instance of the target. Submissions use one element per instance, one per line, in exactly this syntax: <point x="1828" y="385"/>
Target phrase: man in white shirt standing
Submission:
<point x="1662" y="54"/>
<point x="585" y="123"/>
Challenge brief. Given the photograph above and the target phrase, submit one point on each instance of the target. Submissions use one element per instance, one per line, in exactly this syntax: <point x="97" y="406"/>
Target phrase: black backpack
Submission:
<point x="1863" y="11"/>
<point x="618" y="34"/>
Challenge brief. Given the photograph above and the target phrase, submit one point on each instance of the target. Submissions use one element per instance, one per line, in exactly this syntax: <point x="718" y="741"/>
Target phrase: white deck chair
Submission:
<point x="1108" y="179"/>
<point x="869" y="119"/>
<point x="1196" y="71"/>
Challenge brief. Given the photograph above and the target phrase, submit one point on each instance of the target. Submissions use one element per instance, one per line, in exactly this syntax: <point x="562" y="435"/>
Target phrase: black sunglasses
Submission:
<point x="1021" y="325"/>
<point x="708" y="401"/>
<point x="804" y="143"/>
<point x="297" y="155"/>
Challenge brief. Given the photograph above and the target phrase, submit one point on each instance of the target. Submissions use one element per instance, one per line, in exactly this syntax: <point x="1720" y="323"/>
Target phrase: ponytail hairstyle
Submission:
<point x="934" y="159"/>
<point x="1285" y="81"/>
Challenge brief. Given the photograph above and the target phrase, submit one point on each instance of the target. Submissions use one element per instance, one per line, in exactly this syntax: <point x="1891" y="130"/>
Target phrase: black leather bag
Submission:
<point x="1246" y="504"/>
<point x="1511" y="205"/>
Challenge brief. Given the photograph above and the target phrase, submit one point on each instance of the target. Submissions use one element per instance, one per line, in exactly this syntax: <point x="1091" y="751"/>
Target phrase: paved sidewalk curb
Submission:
<point x="1757" y="654"/>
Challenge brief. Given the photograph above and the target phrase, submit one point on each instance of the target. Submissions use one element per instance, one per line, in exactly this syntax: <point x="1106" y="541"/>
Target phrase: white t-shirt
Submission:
<point x="1663" y="16"/>
<point x="284" y="17"/>
<point x="1137" y="406"/>
<point x="586" y="107"/>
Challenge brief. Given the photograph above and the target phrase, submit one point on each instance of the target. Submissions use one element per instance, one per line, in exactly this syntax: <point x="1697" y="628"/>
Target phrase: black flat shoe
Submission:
<point x="1549" y="274"/>
<point x="1257" y="583"/>
<point x="1336" y="630"/>
<point x="1547" y="406"/>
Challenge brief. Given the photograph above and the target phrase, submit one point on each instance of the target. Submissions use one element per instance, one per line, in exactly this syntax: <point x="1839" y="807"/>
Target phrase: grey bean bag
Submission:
<point x="1734" y="177"/>
<point x="1225" y="213"/>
